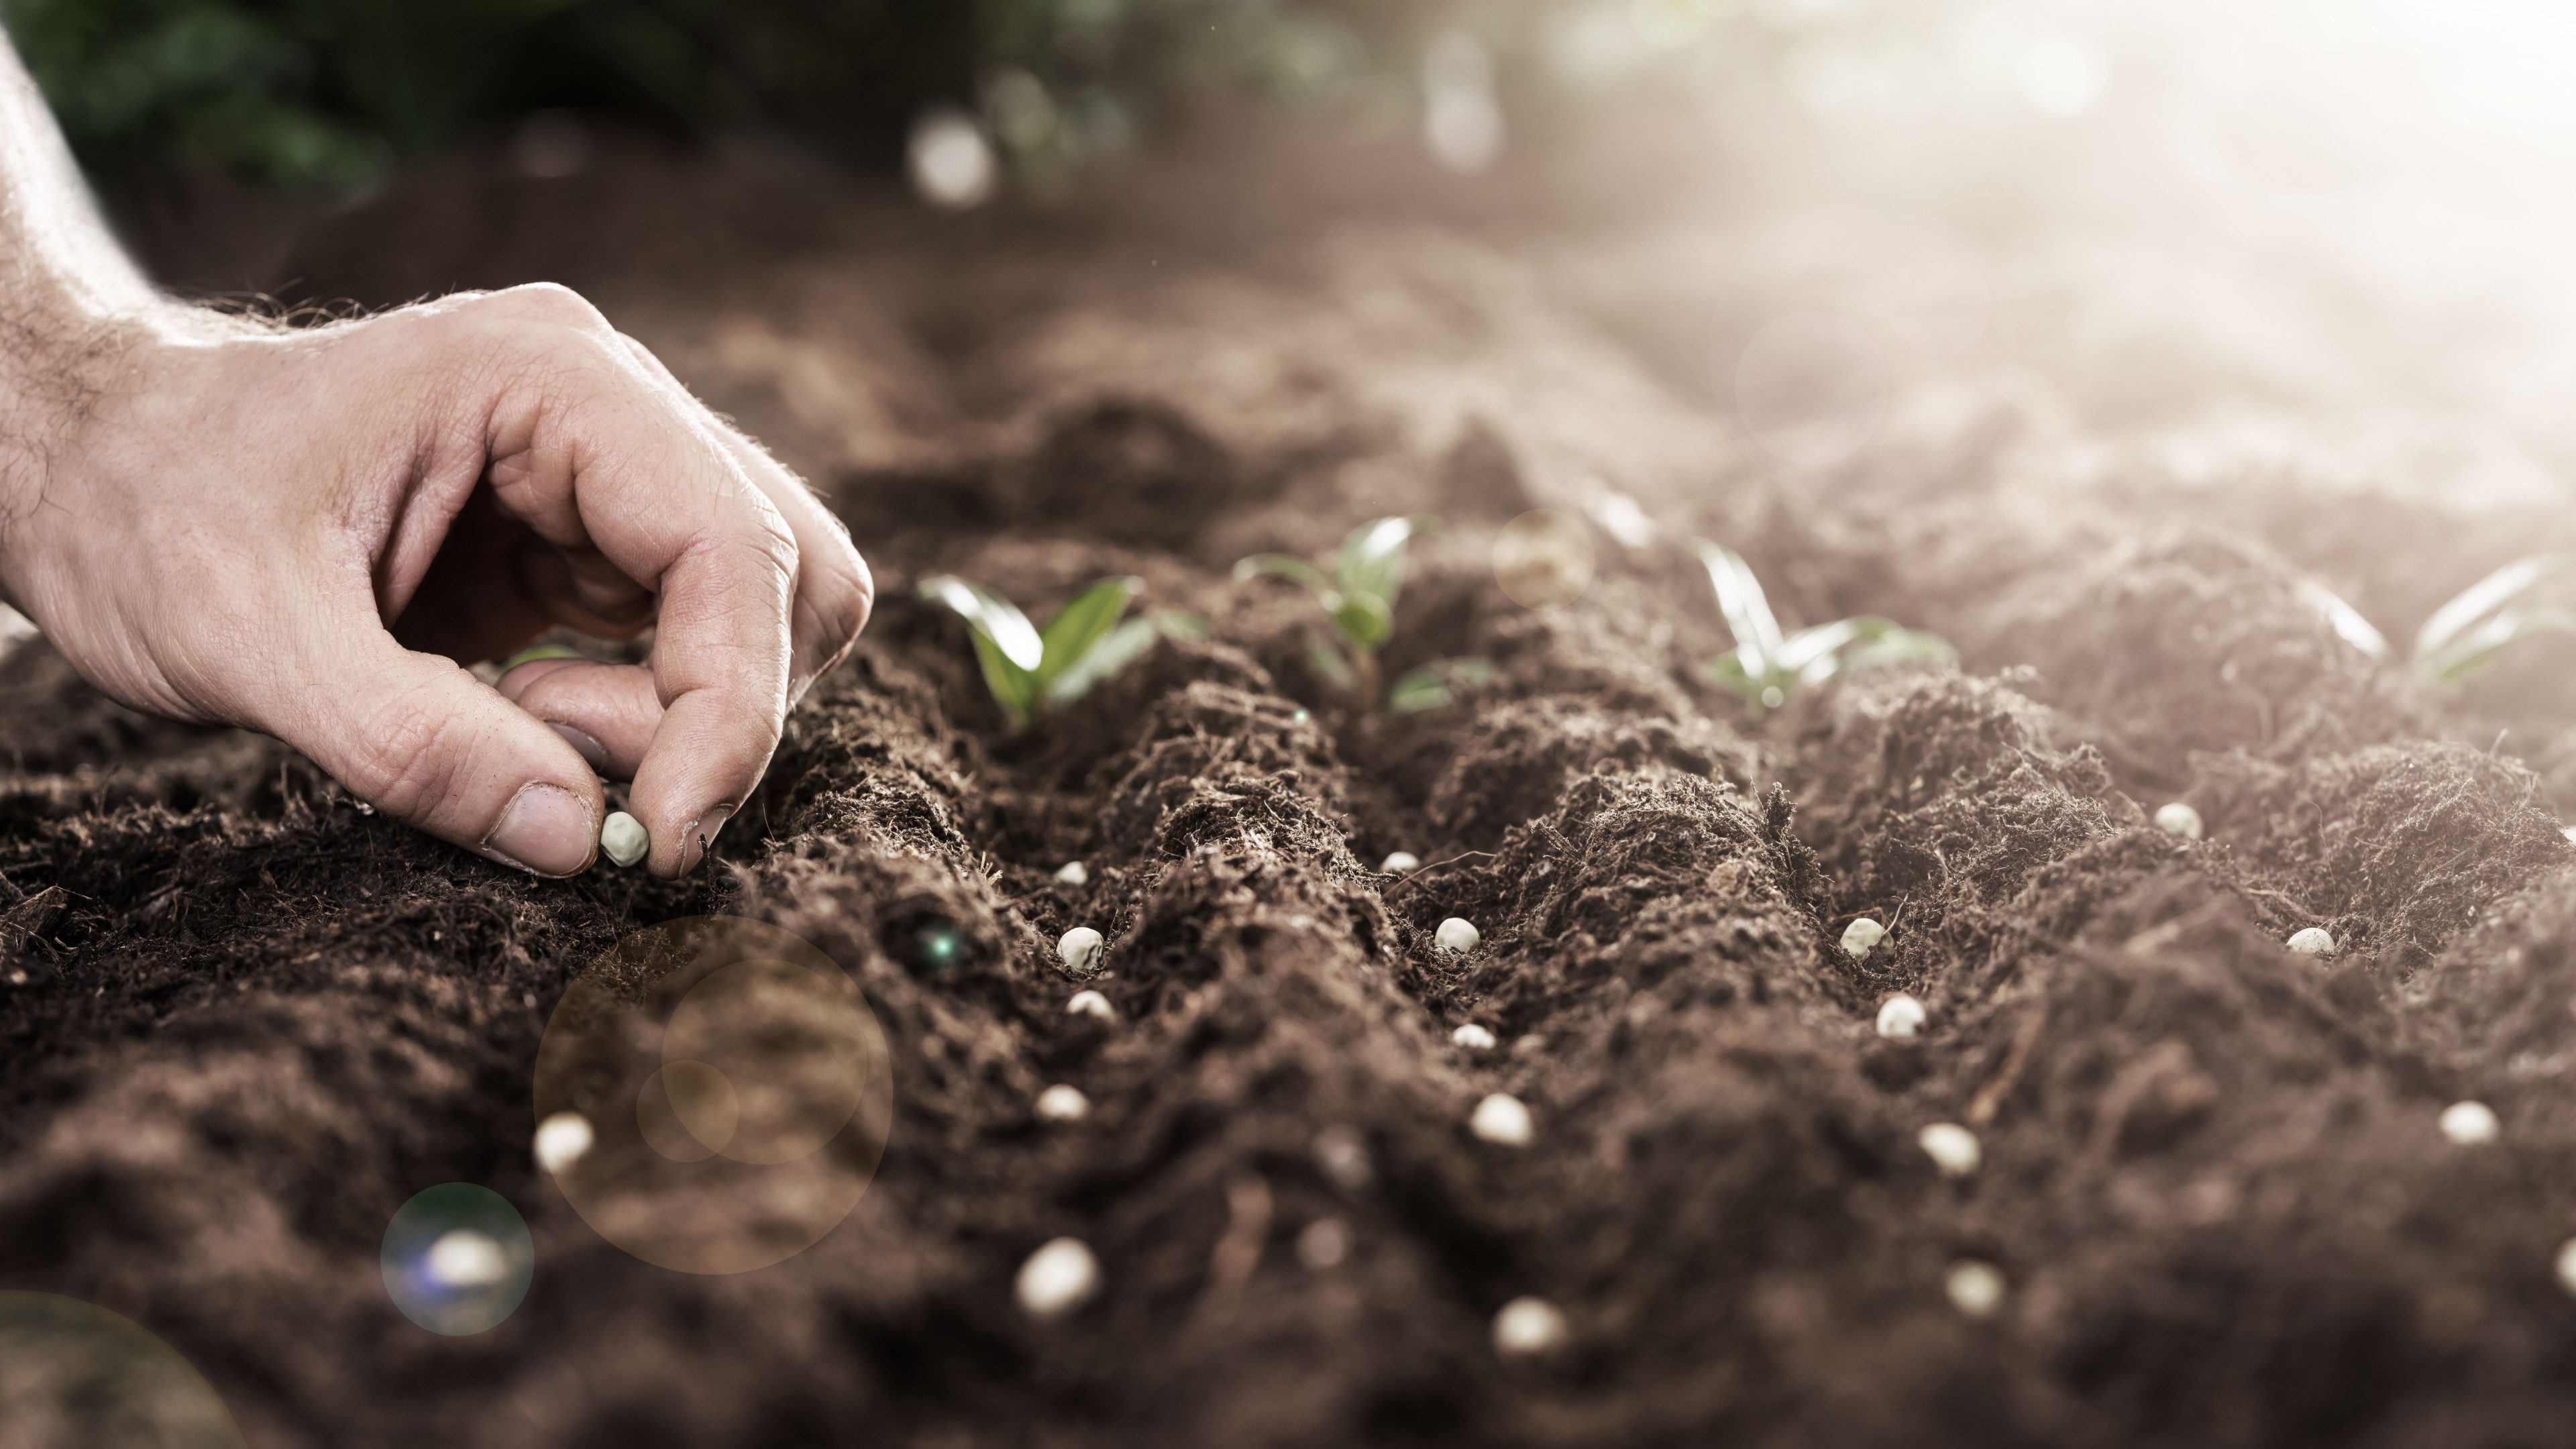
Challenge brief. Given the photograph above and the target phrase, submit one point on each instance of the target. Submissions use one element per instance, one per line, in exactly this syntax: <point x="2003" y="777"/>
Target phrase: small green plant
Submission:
<point x="1359" y="596"/>
<point x="2465" y="634"/>
<point x="1766" y="666"/>
<point x="1032" y="671"/>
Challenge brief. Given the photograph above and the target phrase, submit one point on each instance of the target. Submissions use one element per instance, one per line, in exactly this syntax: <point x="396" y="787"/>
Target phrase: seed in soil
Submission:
<point x="1952" y="1148"/>
<point x="1343" y="1157"/>
<point x="1324" y="1244"/>
<point x="1079" y="948"/>
<point x="1072" y="873"/>
<point x="1091" y="1004"/>
<point x="561" y="1141"/>
<point x="2178" y="819"/>
<point x="2567" y="1265"/>
<point x="1528" y="1328"/>
<point x="1456" y="936"/>
<point x="2470" y="1124"/>
<point x="1401" y="862"/>
<point x="1861" y="936"/>
<point x="1062" y="1103"/>
<point x="2312" y="941"/>
<point x="1058" y="1279"/>
<point x="1900" y="1016"/>
<point x="1976" y="1288"/>
<point x="937" y="946"/>
<point x="623" y="839"/>
<point x="1473" y="1037"/>
<point x="1501" y="1120"/>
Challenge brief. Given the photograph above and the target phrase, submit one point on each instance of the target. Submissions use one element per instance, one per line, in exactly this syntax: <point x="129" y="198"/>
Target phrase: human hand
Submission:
<point x="302" y="532"/>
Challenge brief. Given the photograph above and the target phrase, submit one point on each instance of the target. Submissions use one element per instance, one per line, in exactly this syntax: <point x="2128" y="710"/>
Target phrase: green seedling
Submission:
<point x="1766" y="666"/>
<point x="1359" y="596"/>
<point x="2465" y="634"/>
<point x="1032" y="671"/>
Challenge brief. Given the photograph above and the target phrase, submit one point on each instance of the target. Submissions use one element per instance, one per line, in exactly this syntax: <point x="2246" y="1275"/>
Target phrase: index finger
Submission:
<point x="587" y="448"/>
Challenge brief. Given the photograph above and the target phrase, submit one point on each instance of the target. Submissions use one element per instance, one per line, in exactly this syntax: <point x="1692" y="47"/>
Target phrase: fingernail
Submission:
<point x="703" y="835"/>
<point x="546" y="831"/>
<point x="591" y="749"/>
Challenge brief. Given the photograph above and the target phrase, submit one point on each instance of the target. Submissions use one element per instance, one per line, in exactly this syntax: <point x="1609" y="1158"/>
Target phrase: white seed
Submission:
<point x="1528" y="1327"/>
<point x="1900" y="1016"/>
<point x="1457" y="937"/>
<point x="1473" y="1037"/>
<point x="1072" y="873"/>
<point x="1343" y="1156"/>
<point x="623" y="838"/>
<point x="1860" y="936"/>
<point x="1079" y="948"/>
<point x="2312" y="941"/>
<point x="1976" y="1288"/>
<point x="1324" y="1244"/>
<point x="2569" y="832"/>
<point x="1402" y="862"/>
<point x="2470" y="1124"/>
<point x="1501" y="1119"/>
<point x="1091" y="1004"/>
<point x="1061" y="1103"/>
<point x="2178" y="819"/>
<point x="464" y="1258"/>
<point x="562" y="1139"/>
<point x="1952" y="1148"/>
<point x="2567" y="1265"/>
<point x="1058" y="1278"/>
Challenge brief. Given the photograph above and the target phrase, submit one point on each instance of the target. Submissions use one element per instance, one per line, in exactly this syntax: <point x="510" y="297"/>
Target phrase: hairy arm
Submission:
<point x="307" y="531"/>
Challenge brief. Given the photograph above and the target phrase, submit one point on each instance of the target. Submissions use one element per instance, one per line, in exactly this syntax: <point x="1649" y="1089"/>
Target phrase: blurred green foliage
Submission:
<point x="323" y="96"/>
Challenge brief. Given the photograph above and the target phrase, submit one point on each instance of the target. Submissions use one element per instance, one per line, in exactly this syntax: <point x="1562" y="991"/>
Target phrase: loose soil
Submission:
<point x="246" y="1019"/>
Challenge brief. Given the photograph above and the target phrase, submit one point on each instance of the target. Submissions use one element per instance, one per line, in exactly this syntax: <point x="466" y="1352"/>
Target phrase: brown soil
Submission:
<point x="255" y="1018"/>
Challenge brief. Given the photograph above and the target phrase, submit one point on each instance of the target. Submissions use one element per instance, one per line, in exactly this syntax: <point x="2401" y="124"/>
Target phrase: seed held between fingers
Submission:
<point x="623" y="838"/>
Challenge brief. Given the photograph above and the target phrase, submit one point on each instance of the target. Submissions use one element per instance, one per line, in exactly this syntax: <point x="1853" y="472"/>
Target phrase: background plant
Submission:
<point x="1766" y="666"/>
<point x="2516" y="602"/>
<point x="1031" y="670"/>
<point x="1358" y="595"/>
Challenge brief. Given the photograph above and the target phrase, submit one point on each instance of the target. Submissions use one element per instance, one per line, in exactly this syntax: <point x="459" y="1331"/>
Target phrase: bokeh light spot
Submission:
<point x="688" y="1111"/>
<point x="457" y="1259"/>
<point x="73" y="1373"/>
<point x="1543" y="559"/>
<point x="1812" y="387"/>
<point x="740" y="1090"/>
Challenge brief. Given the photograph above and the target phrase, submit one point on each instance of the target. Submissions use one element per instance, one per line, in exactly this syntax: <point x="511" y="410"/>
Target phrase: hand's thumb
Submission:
<point x="428" y="743"/>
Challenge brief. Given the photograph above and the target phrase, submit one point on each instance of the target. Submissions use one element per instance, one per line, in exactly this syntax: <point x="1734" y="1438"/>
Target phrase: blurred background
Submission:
<point x="2261" y="204"/>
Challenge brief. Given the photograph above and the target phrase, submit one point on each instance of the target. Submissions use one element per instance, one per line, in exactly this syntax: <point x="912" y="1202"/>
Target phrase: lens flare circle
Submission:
<point x="75" y="1373"/>
<point x="457" y="1259"/>
<point x="741" y="1087"/>
<point x="1812" y="388"/>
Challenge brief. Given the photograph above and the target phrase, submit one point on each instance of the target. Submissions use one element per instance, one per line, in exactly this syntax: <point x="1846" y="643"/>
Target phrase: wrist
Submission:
<point x="62" y="361"/>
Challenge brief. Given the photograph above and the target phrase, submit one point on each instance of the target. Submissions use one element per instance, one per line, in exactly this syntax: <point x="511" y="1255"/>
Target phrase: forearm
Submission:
<point x="71" y="303"/>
